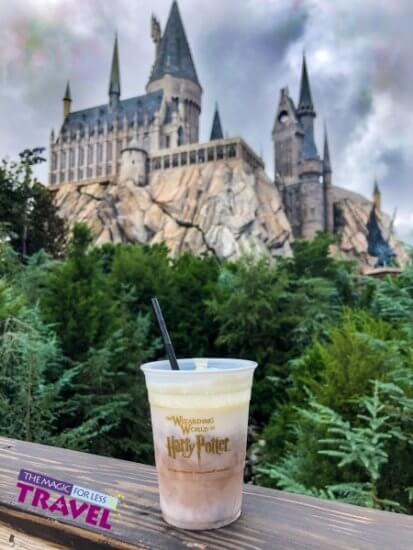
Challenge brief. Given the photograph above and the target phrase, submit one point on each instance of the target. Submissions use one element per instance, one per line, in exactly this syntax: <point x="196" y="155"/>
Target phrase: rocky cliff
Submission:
<point x="351" y="216"/>
<point x="223" y="208"/>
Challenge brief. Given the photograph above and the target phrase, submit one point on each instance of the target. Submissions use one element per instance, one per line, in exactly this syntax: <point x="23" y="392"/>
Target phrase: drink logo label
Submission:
<point x="198" y="445"/>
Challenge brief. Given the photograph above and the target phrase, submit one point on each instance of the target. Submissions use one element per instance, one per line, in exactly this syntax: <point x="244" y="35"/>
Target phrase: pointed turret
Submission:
<point x="216" y="132"/>
<point x="67" y="101"/>
<point x="306" y="115"/>
<point x="327" y="186"/>
<point x="326" y="155"/>
<point x="305" y="103"/>
<point x="376" y="195"/>
<point x="174" y="54"/>
<point x="114" y="82"/>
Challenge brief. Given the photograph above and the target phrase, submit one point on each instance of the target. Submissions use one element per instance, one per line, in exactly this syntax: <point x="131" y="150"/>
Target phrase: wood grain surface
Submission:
<point x="270" y="519"/>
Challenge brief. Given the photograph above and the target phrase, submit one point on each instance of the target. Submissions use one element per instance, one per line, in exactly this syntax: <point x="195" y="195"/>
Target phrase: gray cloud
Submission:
<point x="358" y="55"/>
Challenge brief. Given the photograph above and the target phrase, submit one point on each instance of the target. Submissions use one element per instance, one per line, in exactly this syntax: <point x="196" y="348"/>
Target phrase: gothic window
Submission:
<point x="109" y="151"/>
<point x="192" y="157"/>
<point x="175" y="161"/>
<point x="118" y="147"/>
<point x="81" y="156"/>
<point x="100" y="152"/>
<point x="180" y="136"/>
<point x="54" y="161"/>
<point x="146" y="141"/>
<point x="201" y="155"/>
<point x="63" y="160"/>
<point x="220" y="152"/>
<point x="156" y="163"/>
<point x="167" y="142"/>
<point x="184" y="159"/>
<point x="231" y="151"/>
<point x="211" y="154"/>
<point x="71" y="157"/>
<point x="62" y="176"/>
<point x="166" y="162"/>
<point x="90" y="154"/>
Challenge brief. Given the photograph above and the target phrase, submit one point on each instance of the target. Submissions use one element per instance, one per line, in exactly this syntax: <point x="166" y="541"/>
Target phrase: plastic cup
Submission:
<point x="199" y="425"/>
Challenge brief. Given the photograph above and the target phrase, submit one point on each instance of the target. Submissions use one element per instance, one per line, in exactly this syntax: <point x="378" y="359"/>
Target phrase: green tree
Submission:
<point x="77" y="299"/>
<point x="27" y="213"/>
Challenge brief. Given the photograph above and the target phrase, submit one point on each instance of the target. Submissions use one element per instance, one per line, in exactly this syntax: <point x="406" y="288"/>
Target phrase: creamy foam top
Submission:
<point x="211" y="387"/>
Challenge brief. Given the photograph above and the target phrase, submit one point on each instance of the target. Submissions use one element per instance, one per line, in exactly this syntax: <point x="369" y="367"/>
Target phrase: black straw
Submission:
<point x="165" y="335"/>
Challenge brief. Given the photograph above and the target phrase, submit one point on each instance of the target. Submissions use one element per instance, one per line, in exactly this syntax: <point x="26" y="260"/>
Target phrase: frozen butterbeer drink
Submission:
<point x="199" y="423"/>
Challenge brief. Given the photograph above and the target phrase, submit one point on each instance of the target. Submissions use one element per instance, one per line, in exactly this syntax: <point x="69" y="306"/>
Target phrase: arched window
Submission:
<point x="180" y="136"/>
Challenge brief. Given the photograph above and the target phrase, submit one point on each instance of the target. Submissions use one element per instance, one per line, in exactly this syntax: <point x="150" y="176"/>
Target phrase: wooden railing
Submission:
<point x="270" y="519"/>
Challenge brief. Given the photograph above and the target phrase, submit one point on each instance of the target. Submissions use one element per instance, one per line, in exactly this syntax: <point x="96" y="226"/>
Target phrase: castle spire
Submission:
<point x="326" y="155"/>
<point x="67" y="101"/>
<point x="305" y="103"/>
<point x="114" y="83"/>
<point x="376" y="195"/>
<point x="216" y="132"/>
<point x="306" y="115"/>
<point x="174" y="54"/>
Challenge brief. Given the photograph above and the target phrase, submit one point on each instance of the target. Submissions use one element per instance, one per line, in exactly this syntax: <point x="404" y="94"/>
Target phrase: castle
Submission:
<point x="93" y="142"/>
<point x="304" y="180"/>
<point x="142" y="140"/>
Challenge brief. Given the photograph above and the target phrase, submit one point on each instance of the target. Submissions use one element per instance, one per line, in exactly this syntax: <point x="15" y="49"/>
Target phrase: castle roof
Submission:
<point x="68" y="95"/>
<point x="134" y="108"/>
<point x="174" y="56"/>
<point x="114" y="82"/>
<point x="326" y="155"/>
<point x="216" y="132"/>
<point x="306" y="102"/>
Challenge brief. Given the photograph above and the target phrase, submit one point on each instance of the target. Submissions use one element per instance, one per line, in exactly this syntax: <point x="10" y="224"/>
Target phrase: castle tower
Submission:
<point x="216" y="132"/>
<point x="114" y="81"/>
<point x="327" y="186"/>
<point x="174" y="73"/>
<point x="67" y="102"/>
<point x="287" y="137"/>
<point x="133" y="167"/>
<point x="376" y="196"/>
<point x="311" y="194"/>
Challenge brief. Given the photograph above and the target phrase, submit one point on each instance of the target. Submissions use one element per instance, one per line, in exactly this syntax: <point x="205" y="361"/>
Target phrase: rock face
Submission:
<point x="351" y="216"/>
<point x="224" y="208"/>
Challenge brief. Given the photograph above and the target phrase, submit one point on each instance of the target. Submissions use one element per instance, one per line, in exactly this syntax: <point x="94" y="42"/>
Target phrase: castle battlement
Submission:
<point x="222" y="150"/>
<point x="200" y="153"/>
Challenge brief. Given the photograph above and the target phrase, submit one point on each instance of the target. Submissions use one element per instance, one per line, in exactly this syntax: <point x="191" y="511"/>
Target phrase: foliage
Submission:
<point x="332" y="403"/>
<point x="27" y="214"/>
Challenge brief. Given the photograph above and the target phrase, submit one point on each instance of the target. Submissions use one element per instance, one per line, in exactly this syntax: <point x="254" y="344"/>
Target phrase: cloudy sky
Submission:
<point x="358" y="53"/>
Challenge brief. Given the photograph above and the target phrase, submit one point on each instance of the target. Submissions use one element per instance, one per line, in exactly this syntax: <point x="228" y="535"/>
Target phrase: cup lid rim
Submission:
<point x="158" y="366"/>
